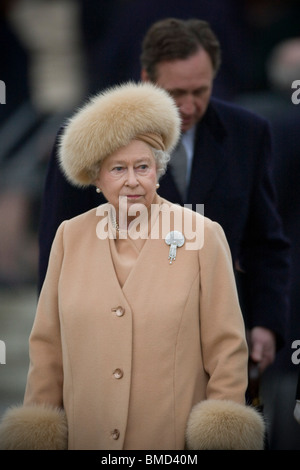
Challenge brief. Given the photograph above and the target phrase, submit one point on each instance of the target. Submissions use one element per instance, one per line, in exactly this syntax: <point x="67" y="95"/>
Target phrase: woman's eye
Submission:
<point x="143" y="167"/>
<point x="118" y="168"/>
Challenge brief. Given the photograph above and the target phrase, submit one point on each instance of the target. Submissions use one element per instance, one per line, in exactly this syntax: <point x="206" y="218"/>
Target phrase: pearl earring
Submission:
<point x="98" y="190"/>
<point x="157" y="185"/>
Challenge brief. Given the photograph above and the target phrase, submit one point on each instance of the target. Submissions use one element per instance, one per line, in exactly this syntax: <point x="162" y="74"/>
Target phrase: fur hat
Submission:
<point x="111" y="120"/>
<point x="224" y="425"/>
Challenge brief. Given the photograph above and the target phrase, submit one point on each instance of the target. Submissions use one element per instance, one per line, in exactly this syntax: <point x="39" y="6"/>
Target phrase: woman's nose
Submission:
<point x="131" y="178"/>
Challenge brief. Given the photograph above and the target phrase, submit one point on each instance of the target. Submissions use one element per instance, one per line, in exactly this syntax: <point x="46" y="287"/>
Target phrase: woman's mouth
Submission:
<point x="133" y="196"/>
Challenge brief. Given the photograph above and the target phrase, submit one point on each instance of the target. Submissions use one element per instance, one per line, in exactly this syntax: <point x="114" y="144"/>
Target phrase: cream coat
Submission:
<point x="130" y="381"/>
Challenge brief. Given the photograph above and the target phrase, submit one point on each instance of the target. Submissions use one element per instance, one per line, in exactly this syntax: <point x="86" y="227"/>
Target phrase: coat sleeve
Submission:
<point x="45" y="376"/>
<point x="264" y="280"/>
<point x="41" y="423"/>
<point x="223" y="339"/>
<point x="223" y="421"/>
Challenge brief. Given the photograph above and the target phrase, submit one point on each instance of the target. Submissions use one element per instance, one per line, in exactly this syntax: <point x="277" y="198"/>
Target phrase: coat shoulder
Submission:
<point x="225" y="109"/>
<point x="88" y="217"/>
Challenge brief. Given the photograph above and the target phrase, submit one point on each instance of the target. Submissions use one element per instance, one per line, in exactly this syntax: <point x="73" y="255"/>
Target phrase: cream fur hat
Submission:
<point x="110" y="120"/>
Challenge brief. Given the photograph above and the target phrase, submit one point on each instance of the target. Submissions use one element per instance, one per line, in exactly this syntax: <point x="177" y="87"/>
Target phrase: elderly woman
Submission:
<point x="138" y="340"/>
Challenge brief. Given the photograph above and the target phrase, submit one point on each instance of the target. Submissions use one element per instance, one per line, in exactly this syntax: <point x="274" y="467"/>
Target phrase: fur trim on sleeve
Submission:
<point x="224" y="425"/>
<point x="34" y="427"/>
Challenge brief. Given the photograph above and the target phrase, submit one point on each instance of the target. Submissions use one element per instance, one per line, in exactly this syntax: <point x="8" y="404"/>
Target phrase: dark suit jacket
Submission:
<point x="231" y="176"/>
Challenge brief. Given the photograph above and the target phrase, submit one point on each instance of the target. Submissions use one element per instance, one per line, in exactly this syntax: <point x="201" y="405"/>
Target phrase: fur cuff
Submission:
<point x="224" y="425"/>
<point x="34" y="427"/>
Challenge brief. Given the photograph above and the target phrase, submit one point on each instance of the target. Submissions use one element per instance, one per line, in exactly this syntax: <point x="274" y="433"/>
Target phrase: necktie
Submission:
<point x="178" y="164"/>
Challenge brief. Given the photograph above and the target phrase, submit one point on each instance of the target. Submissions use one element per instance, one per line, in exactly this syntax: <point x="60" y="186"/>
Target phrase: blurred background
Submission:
<point x="54" y="54"/>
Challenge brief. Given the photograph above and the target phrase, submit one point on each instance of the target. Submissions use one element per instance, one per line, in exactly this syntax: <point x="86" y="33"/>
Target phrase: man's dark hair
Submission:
<point x="173" y="39"/>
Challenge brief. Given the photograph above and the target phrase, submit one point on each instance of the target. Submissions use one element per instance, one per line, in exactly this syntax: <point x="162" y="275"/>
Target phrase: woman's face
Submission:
<point x="129" y="176"/>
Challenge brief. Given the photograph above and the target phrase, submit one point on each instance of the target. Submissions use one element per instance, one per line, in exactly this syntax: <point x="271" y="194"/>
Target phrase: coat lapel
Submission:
<point x="104" y="254"/>
<point x="144" y="258"/>
<point x="156" y="249"/>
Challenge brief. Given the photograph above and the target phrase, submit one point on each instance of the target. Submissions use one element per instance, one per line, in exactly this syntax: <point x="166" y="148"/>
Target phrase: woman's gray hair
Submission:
<point x="162" y="159"/>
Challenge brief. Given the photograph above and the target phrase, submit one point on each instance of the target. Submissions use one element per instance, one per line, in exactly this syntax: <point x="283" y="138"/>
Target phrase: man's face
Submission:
<point x="190" y="83"/>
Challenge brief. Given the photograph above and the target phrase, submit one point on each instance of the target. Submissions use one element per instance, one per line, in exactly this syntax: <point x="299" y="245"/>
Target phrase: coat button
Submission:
<point x="119" y="311"/>
<point x="118" y="373"/>
<point x="115" y="434"/>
